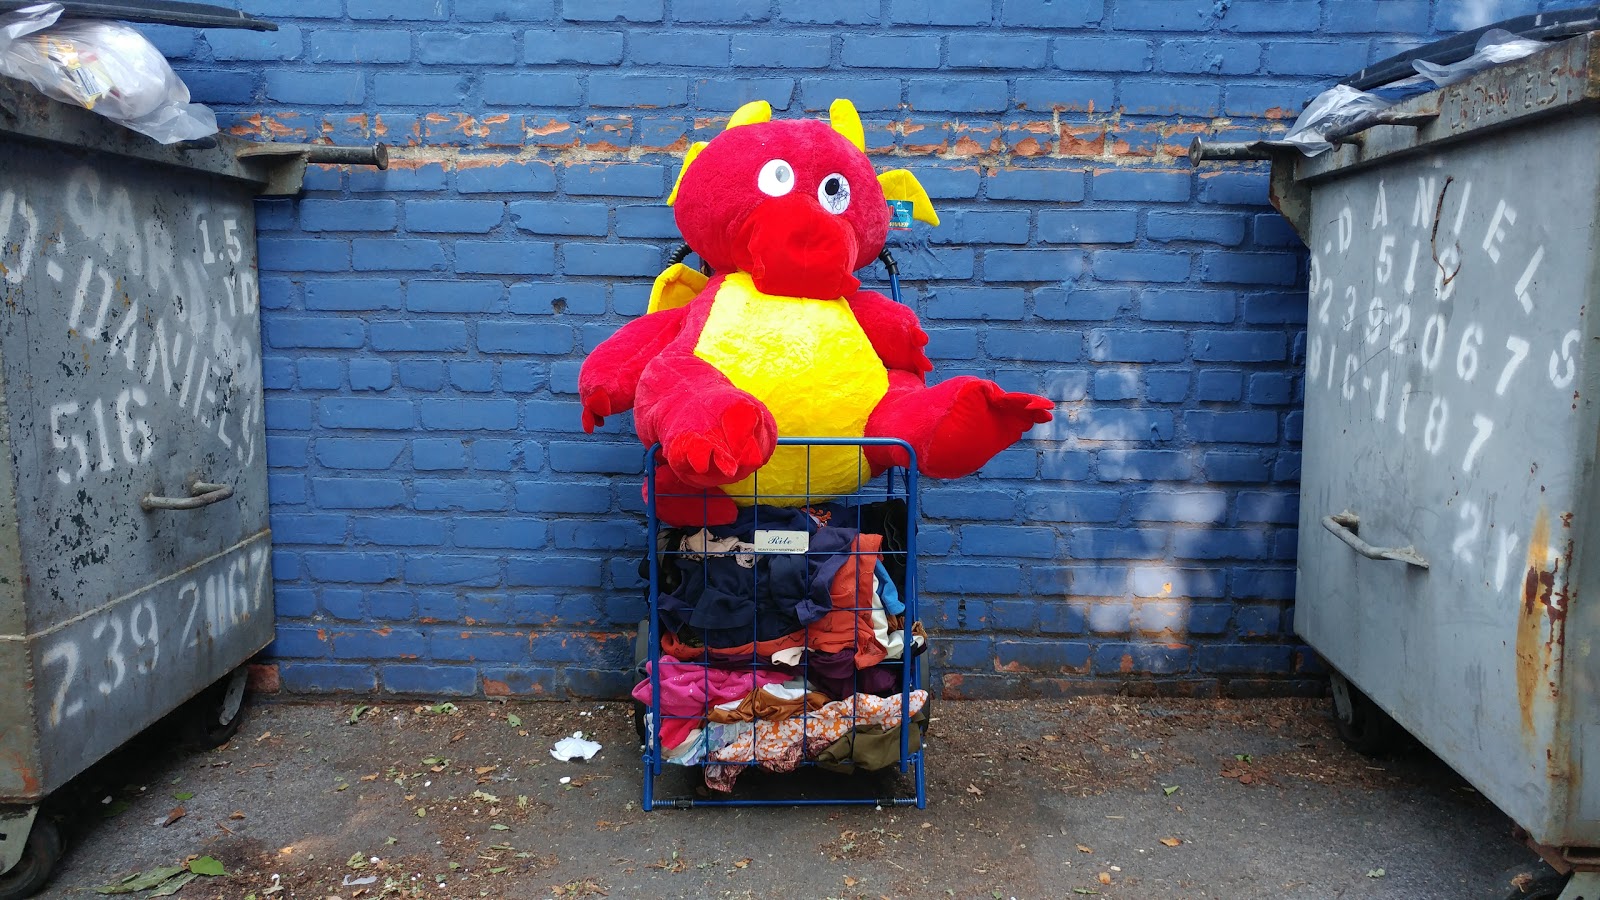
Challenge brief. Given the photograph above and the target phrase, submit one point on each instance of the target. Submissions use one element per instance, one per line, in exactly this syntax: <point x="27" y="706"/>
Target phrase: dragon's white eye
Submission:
<point x="776" y="178"/>
<point x="834" y="193"/>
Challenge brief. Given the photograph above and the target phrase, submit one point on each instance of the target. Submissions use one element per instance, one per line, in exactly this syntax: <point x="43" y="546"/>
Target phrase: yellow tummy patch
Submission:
<point x="811" y="364"/>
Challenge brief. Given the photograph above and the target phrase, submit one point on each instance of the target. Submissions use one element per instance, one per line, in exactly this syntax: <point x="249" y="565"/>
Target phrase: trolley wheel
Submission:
<point x="39" y="858"/>
<point x="1360" y="722"/>
<point x="1535" y="880"/>
<point x="213" y="718"/>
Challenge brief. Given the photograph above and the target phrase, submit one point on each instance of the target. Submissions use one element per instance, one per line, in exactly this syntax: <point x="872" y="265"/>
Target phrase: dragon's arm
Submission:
<point x="609" y="378"/>
<point x="894" y="332"/>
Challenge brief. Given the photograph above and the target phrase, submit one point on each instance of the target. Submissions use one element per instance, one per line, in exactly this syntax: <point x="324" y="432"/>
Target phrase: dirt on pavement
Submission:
<point x="1106" y="797"/>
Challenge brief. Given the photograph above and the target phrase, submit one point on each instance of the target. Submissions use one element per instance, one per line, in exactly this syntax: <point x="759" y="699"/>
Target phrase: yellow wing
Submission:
<point x="675" y="287"/>
<point x="899" y="184"/>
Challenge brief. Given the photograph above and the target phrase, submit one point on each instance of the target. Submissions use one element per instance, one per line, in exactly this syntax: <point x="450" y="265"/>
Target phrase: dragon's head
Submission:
<point x="796" y="203"/>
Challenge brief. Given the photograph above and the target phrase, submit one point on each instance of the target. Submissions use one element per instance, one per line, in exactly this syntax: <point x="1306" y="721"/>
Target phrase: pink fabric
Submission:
<point x="689" y="690"/>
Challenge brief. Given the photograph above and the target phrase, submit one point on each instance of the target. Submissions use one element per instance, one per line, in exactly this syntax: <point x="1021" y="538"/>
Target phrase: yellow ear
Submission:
<point x="675" y="287"/>
<point x="694" y="150"/>
<point x="842" y="116"/>
<point x="752" y="113"/>
<point x="899" y="184"/>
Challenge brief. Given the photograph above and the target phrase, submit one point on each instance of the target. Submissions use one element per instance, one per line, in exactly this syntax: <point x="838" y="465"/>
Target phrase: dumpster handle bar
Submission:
<point x="1344" y="527"/>
<point x="204" y="494"/>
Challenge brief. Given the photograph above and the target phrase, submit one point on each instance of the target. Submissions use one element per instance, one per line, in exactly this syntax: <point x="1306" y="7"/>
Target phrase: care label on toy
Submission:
<point x="782" y="541"/>
<point x="899" y="214"/>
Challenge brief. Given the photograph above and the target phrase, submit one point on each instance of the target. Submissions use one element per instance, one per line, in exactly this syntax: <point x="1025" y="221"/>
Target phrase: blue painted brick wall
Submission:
<point x="441" y="525"/>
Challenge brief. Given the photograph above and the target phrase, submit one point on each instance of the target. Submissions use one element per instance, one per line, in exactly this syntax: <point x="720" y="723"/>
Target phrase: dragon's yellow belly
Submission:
<point x="812" y="365"/>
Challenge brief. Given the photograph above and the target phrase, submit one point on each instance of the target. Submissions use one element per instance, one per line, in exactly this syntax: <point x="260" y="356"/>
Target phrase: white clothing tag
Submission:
<point x="782" y="541"/>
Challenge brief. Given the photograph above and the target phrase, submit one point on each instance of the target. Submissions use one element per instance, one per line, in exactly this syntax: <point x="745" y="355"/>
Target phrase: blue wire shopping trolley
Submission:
<point x="787" y="640"/>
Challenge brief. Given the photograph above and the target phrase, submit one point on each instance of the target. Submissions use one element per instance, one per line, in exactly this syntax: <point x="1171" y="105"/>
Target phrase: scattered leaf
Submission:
<point x="485" y="797"/>
<point x="357" y="860"/>
<point x="357" y="713"/>
<point x="115" y="808"/>
<point x="498" y="827"/>
<point x="849" y="882"/>
<point x="141" y="881"/>
<point x="176" y="814"/>
<point x="1242" y="757"/>
<point x="372" y="777"/>
<point x="435" y="761"/>
<point x="1376" y="873"/>
<point x="1084" y="891"/>
<point x="514" y="720"/>
<point x="496" y="870"/>
<point x="1083" y="849"/>
<point x="457" y="736"/>
<point x="974" y="790"/>
<point x="173" y="885"/>
<point x="342" y="787"/>
<point x="1171" y="842"/>
<point x="1246" y="778"/>
<point x="181" y="796"/>
<point x="236" y="814"/>
<point x="742" y="863"/>
<point x="440" y="709"/>
<point x="207" y="865"/>
<point x="484" y="770"/>
<point x="1169" y="789"/>
<point x="1105" y="877"/>
<point x="422" y="812"/>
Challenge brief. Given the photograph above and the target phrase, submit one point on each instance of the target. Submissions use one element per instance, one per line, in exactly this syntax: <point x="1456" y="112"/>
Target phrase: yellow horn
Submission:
<point x="694" y="150"/>
<point x="844" y="119"/>
<point x="752" y="113"/>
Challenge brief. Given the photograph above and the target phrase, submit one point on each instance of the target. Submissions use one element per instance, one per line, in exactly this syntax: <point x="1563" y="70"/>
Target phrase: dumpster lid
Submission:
<point x="1546" y="26"/>
<point x="1559" y="80"/>
<point x="154" y="12"/>
<point x="268" y="168"/>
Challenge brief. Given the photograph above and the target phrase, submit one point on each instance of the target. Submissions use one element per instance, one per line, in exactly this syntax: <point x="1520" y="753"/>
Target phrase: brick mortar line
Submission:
<point x="1098" y="135"/>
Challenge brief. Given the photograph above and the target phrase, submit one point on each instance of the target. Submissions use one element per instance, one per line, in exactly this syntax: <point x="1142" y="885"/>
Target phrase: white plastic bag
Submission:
<point x="575" y="747"/>
<point x="1496" y="46"/>
<point x="1339" y="105"/>
<point x="102" y="66"/>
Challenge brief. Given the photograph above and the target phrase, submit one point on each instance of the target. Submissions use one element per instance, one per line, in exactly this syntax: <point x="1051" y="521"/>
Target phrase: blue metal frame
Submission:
<point x="910" y="673"/>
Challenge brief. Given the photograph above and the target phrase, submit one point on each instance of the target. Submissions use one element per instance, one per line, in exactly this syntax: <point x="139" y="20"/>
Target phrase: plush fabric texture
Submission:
<point x="782" y="341"/>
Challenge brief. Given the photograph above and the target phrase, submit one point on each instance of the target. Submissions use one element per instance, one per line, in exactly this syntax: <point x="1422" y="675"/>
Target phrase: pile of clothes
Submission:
<point x="782" y="636"/>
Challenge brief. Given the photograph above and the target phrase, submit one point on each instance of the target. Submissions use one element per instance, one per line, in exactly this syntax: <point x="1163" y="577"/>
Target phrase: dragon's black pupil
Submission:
<point x="831" y="186"/>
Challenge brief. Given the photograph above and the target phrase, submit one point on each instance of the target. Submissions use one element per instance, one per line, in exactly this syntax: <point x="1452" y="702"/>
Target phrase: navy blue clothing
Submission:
<point x="730" y="605"/>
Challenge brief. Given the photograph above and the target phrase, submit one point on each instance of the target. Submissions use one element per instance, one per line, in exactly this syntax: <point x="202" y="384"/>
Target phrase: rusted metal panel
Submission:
<point x="1451" y="376"/>
<point x="129" y="362"/>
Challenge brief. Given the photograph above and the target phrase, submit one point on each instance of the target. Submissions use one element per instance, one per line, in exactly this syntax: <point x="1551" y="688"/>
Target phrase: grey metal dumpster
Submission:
<point x="1451" y="427"/>
<point x="135" y="558"/>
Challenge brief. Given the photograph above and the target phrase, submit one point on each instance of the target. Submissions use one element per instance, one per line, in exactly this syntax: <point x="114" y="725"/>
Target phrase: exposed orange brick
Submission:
<point x="262" y="678"/>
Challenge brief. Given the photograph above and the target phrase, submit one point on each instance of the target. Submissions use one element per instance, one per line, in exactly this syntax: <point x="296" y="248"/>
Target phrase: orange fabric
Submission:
<point x="760" y="704"/>
<point x="850" y="623"/>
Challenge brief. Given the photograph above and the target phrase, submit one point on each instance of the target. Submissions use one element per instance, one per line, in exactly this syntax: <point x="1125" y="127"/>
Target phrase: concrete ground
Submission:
<point x="1103" y="797"/>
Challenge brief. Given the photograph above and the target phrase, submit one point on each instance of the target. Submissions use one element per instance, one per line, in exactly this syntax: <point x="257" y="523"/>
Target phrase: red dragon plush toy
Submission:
<point x="782" y="340"/>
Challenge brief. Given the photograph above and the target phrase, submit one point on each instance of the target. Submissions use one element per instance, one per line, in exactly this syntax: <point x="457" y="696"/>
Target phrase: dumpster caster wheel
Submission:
<point x="215" y="715"/>
<point x="1360" y="722"/>
<point x="1529" y="881"/>
<point x="39" y="858"/>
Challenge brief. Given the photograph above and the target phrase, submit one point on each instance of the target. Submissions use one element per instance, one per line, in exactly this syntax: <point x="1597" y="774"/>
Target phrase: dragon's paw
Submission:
<point x="739" y="443"/>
